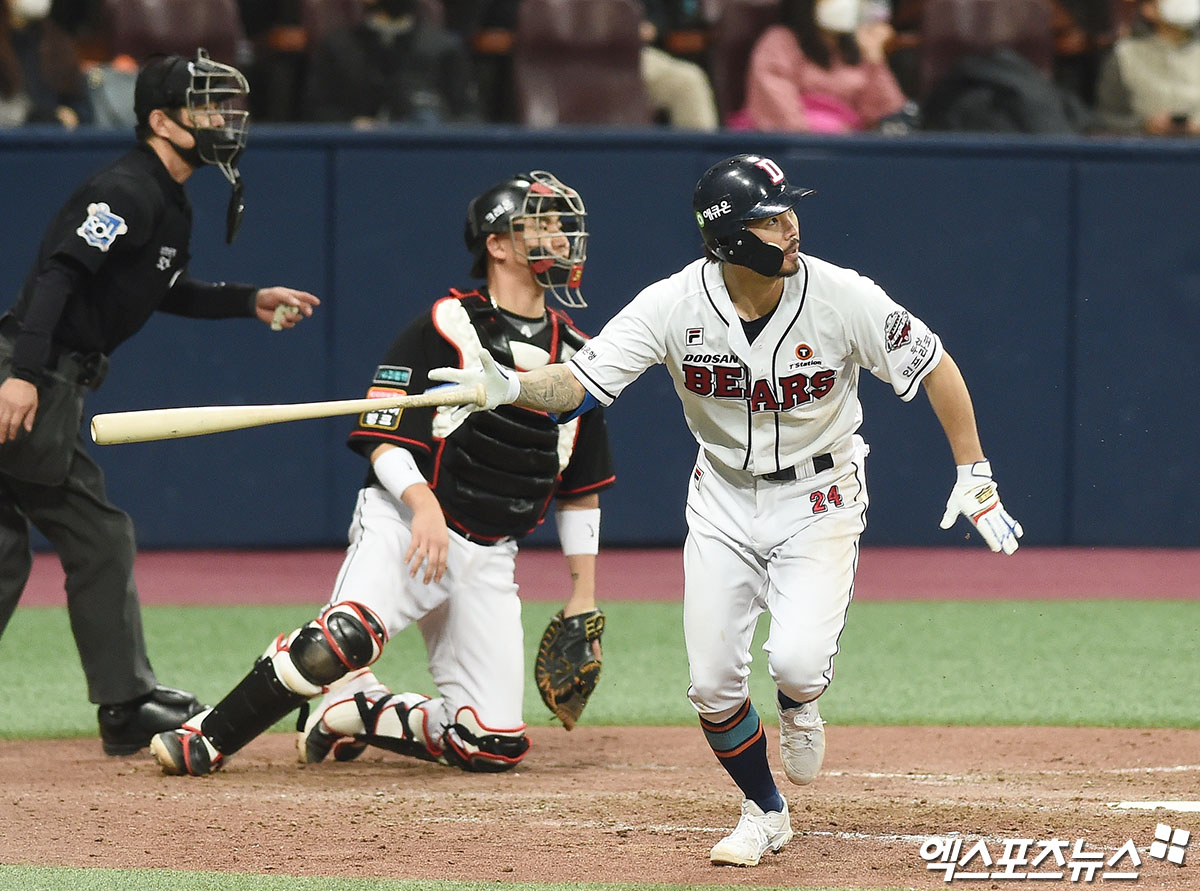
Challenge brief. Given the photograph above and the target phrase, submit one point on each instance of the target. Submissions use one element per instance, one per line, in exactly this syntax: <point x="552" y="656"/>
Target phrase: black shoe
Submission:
<point x="128" y="726"/>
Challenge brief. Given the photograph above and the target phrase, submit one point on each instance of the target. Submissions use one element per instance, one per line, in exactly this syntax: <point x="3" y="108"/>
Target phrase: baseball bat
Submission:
<point x="175" y="423"/>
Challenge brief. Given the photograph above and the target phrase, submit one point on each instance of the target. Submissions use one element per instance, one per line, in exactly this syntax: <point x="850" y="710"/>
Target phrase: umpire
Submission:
<point x="114" y="253"/>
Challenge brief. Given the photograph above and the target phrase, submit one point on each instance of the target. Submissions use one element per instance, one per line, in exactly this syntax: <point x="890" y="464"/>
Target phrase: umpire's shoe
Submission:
<point x="185" y="750"/>
<point x="128" y="726"/>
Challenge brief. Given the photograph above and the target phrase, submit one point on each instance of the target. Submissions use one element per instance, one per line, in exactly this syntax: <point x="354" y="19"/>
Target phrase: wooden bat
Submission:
<point x="175" y="423"/>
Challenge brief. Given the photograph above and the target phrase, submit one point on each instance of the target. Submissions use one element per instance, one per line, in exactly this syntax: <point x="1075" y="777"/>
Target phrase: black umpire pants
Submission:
<point x="95" y="543"/>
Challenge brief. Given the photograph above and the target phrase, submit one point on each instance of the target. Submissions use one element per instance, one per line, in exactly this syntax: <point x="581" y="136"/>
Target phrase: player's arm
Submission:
<point x="579" y="533"/>
<point x="551" y="388"/>
<point x="397" y="471"/>
<point x="974" y="495"/>
<point x="951" y="401"/>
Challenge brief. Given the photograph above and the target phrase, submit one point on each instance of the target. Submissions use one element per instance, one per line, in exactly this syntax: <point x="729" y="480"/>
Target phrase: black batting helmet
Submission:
<point x="744" y="187"/>
<point x="541" y="198"/>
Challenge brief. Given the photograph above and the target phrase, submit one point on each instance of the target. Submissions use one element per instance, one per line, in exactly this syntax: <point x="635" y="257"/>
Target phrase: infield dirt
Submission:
<point x="639" y="805"/>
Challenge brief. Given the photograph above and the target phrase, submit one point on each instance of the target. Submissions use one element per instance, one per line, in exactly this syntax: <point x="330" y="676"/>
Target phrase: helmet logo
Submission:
<point x="716" y="210"/>
<point x="771" y="169"/>
<point x="498" y="211"/>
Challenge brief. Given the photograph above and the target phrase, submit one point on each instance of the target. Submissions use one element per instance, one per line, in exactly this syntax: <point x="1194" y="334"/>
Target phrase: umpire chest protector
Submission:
<point x="496" y="472"/>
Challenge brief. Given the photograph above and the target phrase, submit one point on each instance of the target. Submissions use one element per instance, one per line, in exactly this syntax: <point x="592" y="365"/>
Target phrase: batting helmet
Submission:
<point x="541" y="200"/>
<point x="744" y="187"/>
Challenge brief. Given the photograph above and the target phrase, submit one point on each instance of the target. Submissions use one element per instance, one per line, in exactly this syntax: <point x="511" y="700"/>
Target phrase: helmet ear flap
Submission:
<point x="743" y="248"/>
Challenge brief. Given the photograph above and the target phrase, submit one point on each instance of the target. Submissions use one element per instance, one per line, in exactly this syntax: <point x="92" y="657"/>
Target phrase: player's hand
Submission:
<point x="283" y="307"/>
<point x="430" y="545"/>
<point x="975" y="497"/>
<point x="18" y="407"/>
<point x="501" y="386"/>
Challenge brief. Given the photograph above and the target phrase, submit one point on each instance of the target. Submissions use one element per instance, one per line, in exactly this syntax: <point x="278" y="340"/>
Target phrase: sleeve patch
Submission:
<point x="101" y="227"/>
<point x="383" y="419"/>
<point x="393" y="376"/>
<point x="897" y="330"/>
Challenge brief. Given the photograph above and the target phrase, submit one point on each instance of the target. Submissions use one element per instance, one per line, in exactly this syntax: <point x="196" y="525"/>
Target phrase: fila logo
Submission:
<point x="694" y="336"/>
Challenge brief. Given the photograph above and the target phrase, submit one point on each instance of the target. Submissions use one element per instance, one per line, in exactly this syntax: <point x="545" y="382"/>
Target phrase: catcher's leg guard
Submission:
<point x="293" y="670"/>
<point x="469" y="745"/>
<point x="398" y="724"/>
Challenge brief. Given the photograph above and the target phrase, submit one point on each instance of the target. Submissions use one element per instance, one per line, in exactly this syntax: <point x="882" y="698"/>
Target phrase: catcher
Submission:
<point x="433" y="540"/>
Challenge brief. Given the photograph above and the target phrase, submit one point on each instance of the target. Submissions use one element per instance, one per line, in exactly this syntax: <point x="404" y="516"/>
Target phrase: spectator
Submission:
<point x="821" y="70"/>
<point x="678" y="89"/>
<point x="54" y="86"/>
<point x="392" y="66"/>
<point x="277" y="75"/>
<point x="1151" y="82"/>
<point x="14" y="104"/>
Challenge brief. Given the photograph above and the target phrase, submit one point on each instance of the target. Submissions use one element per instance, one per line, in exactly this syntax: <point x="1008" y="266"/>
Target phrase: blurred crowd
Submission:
<point x="823" y="66"/>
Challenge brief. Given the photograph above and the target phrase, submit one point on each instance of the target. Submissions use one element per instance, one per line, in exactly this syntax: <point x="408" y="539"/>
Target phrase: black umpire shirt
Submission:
<point x="115" y="252"/>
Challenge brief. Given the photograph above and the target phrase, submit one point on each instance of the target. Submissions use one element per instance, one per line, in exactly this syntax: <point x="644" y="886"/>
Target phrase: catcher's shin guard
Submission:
<point x="469" y="745"/>
<point x="398" y="724"/>
<point x="294" y="669"/>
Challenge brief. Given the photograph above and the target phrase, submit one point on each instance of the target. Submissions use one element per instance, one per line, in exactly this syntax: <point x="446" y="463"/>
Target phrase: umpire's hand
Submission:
<point x="18" y="407"/>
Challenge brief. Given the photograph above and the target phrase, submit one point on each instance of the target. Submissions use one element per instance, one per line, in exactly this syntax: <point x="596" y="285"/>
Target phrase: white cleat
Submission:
<point x="801" y="742"/>
<point x="755" y="834"/>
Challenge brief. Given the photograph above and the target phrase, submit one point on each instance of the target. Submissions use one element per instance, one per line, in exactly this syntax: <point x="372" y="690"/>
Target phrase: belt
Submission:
<point x="819" y="464"/>
<point x="86" y="369"/>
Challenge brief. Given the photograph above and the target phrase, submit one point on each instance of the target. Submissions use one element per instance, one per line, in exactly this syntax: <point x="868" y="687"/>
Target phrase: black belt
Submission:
<point x="819" y="462"/>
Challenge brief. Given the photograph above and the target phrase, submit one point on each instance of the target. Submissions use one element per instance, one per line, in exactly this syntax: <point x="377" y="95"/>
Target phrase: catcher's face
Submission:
<point x="541" y="237"/>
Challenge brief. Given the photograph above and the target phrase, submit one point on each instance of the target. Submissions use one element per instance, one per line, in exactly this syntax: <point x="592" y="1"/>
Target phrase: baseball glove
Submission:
<point x="567" y="669"/>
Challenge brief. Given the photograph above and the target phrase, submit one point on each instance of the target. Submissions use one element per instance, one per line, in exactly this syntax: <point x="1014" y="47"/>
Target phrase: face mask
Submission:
<point x="1183" y="13"/>
<point x="837" y="15"/>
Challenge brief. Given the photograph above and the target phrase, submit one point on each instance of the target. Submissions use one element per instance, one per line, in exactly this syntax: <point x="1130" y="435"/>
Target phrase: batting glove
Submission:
<point x="501" y="386"/>
<point x="975" y="497"/>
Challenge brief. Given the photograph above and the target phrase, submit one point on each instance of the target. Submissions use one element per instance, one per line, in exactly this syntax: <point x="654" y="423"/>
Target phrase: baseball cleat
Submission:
<point x="755" y="834"/>
<point x="316" y="742"/>
<point x="127" y="727"/>
<point x="801" y="742"/>
<point x="185" y="751"/>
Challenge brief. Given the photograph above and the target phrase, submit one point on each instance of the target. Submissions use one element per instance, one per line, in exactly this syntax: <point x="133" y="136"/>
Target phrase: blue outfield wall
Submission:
<point x="1064" y="278"/>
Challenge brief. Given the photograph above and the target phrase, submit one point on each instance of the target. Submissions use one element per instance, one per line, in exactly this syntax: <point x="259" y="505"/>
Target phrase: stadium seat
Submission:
<point x="579" y="62"/>
<point x="140" y="28"/>
<point x="952" y="29"/>
<point x="738" y="25"/>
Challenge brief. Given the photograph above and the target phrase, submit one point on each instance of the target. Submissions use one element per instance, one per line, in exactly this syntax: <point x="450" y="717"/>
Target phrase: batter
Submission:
<point x="765" y="347"/>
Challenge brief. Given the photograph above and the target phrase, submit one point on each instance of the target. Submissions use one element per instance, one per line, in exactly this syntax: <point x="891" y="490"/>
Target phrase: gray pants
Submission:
<point x="95" y="543"/>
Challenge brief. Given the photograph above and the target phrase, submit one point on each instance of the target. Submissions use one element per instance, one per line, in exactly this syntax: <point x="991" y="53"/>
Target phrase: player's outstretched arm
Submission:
<point x="551" y="388"/>
<point x="974" y="494"/>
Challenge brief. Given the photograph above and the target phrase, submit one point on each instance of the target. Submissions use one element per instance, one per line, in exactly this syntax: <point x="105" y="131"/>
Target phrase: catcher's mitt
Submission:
<point x="567" y="669"/>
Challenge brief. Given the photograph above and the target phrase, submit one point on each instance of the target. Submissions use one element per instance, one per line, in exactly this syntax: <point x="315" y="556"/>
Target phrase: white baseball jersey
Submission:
<point x="793" y="392"/>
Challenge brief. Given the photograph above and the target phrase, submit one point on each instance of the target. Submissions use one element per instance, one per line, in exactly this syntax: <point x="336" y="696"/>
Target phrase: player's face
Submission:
<point x="543" y="236"/>
<point x="783" y="231"/>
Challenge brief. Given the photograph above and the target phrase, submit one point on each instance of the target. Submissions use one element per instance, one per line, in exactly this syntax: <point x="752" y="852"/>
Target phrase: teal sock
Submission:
<point x="741" y="748"/>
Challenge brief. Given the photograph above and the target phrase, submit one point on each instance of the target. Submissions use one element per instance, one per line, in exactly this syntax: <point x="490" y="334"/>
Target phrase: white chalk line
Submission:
<point x="1181" y="807"/>
<point x="947" y="778"/>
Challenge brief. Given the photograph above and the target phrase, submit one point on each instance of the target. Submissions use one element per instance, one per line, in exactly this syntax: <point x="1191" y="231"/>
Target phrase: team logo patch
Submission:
<point x="694" y="336"/>
<point x="396" y="375"/>
<point x="382" y="419"/>
<point x="165" y="256"/>
<point x="101" y="227"/>
<point x="897" y="330"/>
<point x="803" y="351"/>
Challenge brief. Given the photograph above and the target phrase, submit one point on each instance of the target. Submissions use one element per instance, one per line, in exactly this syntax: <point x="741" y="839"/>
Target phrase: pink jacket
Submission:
<point x="779" y="74"/>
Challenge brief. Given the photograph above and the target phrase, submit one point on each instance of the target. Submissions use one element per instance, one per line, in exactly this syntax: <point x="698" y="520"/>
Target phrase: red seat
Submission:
<point x="140" y="28"/>
<point x="579" y="62"/>
<point x="738" y="26"/>
<point x="952" y="29"/>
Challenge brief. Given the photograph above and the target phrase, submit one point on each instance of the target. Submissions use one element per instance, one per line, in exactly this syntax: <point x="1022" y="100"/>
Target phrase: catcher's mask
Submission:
<point x="534" y="204"/>
<point x="741" y="188"/>
<point x="218" y="117"/>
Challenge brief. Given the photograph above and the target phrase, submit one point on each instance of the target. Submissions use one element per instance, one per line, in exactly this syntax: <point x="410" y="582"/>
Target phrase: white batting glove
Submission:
<point x="976" y="498"/>
<point x="501" y="386"/>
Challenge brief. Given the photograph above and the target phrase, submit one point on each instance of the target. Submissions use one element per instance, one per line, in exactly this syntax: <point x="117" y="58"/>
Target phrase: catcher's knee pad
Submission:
<point x="469" y="745"/>
<point x="345" y="637"/>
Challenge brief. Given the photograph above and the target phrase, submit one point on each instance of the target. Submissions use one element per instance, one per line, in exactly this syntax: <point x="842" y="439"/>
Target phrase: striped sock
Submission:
<point x="741" y="748"/>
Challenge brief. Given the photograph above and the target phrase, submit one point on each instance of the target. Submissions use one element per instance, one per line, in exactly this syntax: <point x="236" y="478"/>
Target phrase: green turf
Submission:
<point x="64" y="879"/>
<point x="1091" y="663"/>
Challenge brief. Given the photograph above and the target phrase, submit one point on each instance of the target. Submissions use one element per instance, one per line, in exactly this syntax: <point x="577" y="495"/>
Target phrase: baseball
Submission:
<point x="281" y="312"/>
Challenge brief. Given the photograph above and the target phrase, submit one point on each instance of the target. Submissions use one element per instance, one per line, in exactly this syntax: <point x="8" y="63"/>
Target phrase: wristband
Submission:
<point x="396" y="470"/>
<point x="980" y="470"/>
<point x="579" y="531"/>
